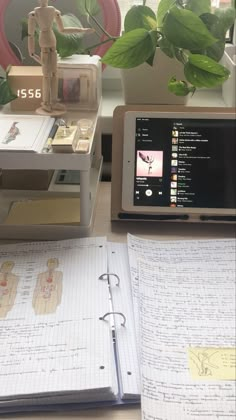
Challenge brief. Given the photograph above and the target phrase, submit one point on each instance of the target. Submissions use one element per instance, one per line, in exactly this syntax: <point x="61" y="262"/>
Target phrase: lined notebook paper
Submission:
<point x="51" y="338"/>
<point x="89" y="322"/>
<point x="185" y="298"/>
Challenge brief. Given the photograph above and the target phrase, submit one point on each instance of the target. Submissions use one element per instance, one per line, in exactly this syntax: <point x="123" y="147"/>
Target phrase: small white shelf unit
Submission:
<point x="89" y="166"/>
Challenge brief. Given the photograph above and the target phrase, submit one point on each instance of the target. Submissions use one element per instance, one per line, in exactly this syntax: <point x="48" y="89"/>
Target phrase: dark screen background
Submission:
<point x="197" y="158"/>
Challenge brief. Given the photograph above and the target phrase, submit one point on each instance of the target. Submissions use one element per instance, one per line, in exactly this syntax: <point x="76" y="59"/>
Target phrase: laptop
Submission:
<point x="179" y="166"/>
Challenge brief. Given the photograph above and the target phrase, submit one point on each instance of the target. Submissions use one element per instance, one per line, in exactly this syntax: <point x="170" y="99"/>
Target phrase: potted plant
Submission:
<point x="188" y="32"/>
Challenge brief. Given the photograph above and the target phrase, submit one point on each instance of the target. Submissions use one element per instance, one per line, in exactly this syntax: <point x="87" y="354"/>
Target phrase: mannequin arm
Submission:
<point x="31" y="32"/>
<point x="67" y="29"/>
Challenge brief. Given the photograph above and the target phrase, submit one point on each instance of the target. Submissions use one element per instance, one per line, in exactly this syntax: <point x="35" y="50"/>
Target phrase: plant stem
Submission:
<point x="96" y="21"/>
<point x="100" y="43"/>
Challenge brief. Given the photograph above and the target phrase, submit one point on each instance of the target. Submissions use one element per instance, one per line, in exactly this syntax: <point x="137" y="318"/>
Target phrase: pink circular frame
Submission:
<point x="111" y="22"/>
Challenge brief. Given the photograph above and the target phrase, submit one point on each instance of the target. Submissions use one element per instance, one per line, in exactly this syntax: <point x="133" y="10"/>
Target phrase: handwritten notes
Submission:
<point x="52" y="341"/>
<point x="185" y="296"/>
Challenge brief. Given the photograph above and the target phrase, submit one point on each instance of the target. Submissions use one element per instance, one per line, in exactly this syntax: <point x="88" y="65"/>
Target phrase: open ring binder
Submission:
<point x="105" y="276"/>
<point x="114" y="313"/>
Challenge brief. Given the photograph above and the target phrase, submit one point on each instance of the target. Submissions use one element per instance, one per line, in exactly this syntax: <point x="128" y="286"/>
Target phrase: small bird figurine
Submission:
<point x="12" y="133"/>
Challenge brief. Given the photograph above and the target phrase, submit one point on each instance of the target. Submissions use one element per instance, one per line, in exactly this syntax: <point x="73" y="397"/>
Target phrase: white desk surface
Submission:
<point x="117" y="231"/>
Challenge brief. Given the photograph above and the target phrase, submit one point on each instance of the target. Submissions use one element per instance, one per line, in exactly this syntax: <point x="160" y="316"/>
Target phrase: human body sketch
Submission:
<point x="8" y="288"/>
<point x="48" y="290"/>
<point x="12" y="133"/>
<point x="43" y="17"/>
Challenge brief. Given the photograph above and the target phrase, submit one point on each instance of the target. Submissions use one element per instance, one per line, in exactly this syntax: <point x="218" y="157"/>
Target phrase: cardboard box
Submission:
<point x="25" y="179"/>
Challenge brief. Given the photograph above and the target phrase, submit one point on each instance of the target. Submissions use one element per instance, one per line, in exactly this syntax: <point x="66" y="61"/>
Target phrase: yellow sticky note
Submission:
<point x="207" y="363"/>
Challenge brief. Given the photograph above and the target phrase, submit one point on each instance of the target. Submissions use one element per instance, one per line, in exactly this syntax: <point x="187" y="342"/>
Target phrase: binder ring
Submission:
<point x="105" y="276"/>
<point x="114" y="313"/>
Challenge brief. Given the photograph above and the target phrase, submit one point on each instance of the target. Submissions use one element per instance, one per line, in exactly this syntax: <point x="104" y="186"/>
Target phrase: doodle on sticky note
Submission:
<point x="212" y="363"/>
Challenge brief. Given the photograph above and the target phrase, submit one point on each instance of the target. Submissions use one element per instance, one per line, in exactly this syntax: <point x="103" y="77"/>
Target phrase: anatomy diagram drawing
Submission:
<point x="12" y="133"/>
<point x="48" y="291"/>
<point x="8" y="288"/>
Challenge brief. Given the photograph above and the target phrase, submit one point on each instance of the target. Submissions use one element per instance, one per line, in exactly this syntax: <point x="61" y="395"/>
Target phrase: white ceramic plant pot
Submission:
<point x="229" y="87"/>
<point x="148" y="84"/>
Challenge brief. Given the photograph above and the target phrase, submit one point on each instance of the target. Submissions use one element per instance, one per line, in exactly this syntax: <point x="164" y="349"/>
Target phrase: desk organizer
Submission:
<point x="80" y="82"/>
<point x="89" y="166"/>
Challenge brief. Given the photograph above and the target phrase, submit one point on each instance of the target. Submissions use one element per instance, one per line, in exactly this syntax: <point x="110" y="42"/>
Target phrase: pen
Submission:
<point x="52" y="135"/>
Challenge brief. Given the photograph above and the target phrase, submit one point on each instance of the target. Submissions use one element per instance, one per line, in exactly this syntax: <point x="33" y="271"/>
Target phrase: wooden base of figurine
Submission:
<point x="53" y="113"/>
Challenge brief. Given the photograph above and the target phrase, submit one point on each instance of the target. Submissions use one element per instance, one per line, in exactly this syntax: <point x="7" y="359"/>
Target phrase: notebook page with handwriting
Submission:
<point x="188" y="251"/>
<point x="52" y="341"/>
<point x="187" y="340"/>
<point x="177" y="257"/>
<point x="125" y="336"/>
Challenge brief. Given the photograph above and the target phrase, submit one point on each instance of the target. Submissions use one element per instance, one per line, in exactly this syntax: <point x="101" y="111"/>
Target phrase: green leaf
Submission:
<point x="68" y="44"/>
<point x="92" y="6"/>
<point x="199" y="6"/>
<point x="202" y="71"/>
<point x="151" y="59"/>
<point x="216" y="51"/>
<point x="186" y="30"/>
<point x="6" y="94"/>
<point x="131" y="49"/>
<point x="180" y="87"/>
<point x="163" y="8"/>
<point x="214" y="25"/>
<point x="166" y="47"/>
<point x="140" y="17"/>
<point x="24" y="28"/>
<point x="226" y="16"/>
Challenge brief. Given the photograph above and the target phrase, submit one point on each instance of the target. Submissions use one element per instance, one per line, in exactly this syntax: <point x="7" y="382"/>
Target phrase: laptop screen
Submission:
<point x="185" y="163"/>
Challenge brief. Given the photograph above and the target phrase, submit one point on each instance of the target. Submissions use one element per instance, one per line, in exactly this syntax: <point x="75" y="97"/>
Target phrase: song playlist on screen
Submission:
<point x="180" y="163"/>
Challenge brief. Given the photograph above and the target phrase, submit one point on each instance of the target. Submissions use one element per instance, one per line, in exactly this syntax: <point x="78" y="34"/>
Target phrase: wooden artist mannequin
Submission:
<point x="44" y="16"/>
